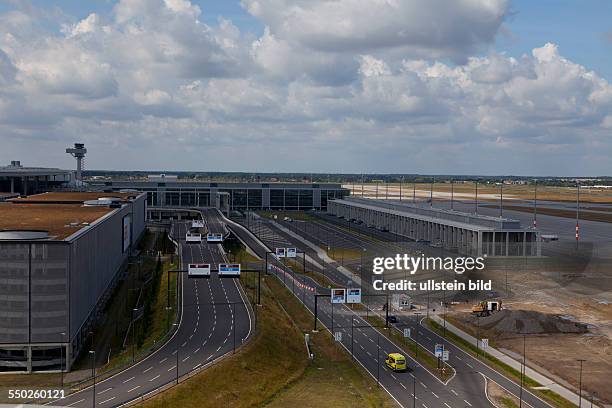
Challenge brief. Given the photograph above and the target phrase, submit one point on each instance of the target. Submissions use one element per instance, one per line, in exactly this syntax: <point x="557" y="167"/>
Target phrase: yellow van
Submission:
<point x="396" y="362"/>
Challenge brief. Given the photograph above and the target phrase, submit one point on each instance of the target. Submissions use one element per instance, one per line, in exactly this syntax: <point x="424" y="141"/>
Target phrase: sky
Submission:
<point x="364" y="86"/>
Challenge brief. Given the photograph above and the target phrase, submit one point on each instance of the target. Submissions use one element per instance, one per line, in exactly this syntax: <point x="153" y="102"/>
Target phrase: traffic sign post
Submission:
<point x="407" y="332"/>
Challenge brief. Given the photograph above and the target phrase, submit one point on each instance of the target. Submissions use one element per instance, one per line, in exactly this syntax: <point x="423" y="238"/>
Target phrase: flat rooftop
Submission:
<point x="70" y="197"/>
<point x="444" y="216"/>
<point x="59" y="220"/>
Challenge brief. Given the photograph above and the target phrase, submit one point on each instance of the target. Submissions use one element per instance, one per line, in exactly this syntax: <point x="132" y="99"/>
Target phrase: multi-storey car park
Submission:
<point x="61" y="254"/>
<point x="467" y="233"/>
<point x="170" y="193"/>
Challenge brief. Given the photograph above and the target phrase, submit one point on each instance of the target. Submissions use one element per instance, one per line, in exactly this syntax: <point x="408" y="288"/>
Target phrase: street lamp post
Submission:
<point x="133" y="335"/>
<point x="92" y="353"/>
<point x="580" y="360"/>
<point x="62" y="364"/>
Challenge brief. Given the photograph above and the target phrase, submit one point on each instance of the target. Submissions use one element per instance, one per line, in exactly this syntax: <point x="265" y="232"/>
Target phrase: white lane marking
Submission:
<point x="135" y="388"/>
<point x="105" y="401"/>
<point x="424" y="406"/>
<point x="129" y="379"/>
<point x="454" y="392"/>
<point x="155" y="378"/>
<point x="106" y="390"/>
<point x="148" y="369"/>
<point x="447" y="405"/>
<point x="403" y="386"/>
<point x="162" y="360"/>
<point x="76" y="402"/>
<point x="469" y="365"/>
<point x="466" y="401"/>
<point x="196" y="350"/>
<point x="185" y="359"/>
<point x="172" y="368"/>
<point x="434" y="394"/>
<point x="196" y="366"/>
<point x="423" y="385"/>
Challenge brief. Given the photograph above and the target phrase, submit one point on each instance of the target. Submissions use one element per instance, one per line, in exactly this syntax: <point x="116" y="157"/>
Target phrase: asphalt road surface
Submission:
<point x="416" y="387"/>
<point x="210" y="327"/>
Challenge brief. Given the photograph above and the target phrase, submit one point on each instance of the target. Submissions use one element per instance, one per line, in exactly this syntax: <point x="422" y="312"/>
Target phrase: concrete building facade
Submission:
<point x="468" y="234"/>
<point x="55" y="277"/>
<point x="172" y="193"/>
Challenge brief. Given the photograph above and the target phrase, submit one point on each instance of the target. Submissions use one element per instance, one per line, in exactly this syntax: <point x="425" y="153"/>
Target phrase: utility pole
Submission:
<point x="452" y="193"/>
<point x="523" y="370"/>
<point x="501" y="199"/>
<point x="92" y="353"/>
<point x="580" y="360"/>
<point x="577" y="215"/>
<point x="431" y="192"/>
<point x="476" y="201"/>
<point x="535" y="204"/>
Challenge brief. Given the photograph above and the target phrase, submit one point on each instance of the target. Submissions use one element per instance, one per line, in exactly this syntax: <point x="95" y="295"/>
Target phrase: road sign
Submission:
<point x="192" y="237"/>
<point x="280" y="252"/>
<point x="229" y="270"/>
<point x="439" y="349"/>
<point x="197" y="224"/>
<point x="291" y="252"/>
<point x="338" y="295"/>
<point x="353" y="295"/>
<point x="214" y="237"/>
<point x="484" y="343"/>
<point x="445" y="355"/>
<point x="338" y="336"/>
<point x="198" y="270"/>
<point x="407" y="332"/>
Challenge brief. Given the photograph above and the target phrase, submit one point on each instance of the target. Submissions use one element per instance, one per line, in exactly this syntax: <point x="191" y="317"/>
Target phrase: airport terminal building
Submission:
<point x="169" y="192"/>
<point x="465" y="233"/>
<point x="61" y="254"/>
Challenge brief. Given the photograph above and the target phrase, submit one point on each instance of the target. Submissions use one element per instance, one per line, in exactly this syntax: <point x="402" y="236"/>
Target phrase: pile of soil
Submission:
<point x="511" y="322"/>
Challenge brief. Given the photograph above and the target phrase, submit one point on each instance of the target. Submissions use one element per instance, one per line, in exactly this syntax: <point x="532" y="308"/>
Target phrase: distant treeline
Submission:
<point x="349" y="178"/>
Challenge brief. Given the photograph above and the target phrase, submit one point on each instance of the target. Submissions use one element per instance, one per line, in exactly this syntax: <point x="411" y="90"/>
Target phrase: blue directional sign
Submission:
<point x="229" y="270"/>
<point x="214" y="237"/>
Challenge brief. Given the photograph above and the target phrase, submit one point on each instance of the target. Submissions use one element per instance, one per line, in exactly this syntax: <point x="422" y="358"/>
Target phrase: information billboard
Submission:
<point x="127" y="232"/>
<point x="353" y="295"/>
<point x="198" y="270"/>
<point x="229" y="270"/>
<point x="192" y="237"/>
<point x="197" y="224"/>
<point x="280" y="252"/>
<point x="338" y="295"/>
<point x="214" y="237"/>
<point x="291" y="252"/>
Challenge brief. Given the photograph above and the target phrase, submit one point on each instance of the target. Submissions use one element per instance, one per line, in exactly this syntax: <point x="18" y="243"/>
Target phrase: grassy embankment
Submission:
<point x="498" y="365"/>
<point x="273" y="369"/>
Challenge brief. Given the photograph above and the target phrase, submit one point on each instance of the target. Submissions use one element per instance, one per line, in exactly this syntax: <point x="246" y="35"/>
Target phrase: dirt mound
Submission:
<point x="529" y="322"/>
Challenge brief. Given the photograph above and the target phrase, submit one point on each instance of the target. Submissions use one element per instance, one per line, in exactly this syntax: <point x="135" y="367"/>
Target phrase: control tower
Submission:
<point x="78" y="152"/>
